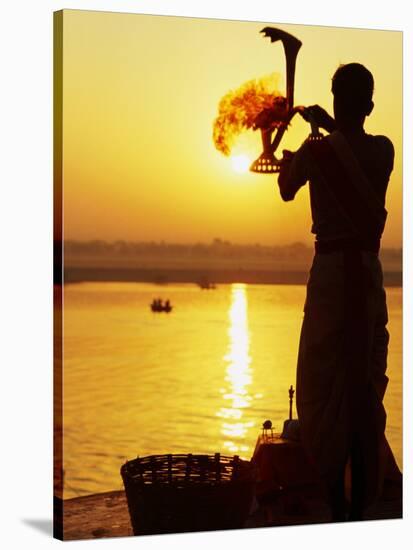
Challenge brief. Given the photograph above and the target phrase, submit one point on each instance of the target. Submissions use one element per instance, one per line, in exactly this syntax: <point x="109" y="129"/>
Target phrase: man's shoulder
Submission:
<point x="383" y="142"/>
<point x="386" y="151"/>
<point x="382" y="149"/>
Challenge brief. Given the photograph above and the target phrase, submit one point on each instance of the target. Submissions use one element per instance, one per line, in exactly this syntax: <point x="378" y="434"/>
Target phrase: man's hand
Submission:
<point x="320" y="117"/>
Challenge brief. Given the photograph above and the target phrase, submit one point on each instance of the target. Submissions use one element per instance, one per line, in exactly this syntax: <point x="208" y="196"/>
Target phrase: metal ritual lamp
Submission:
<point x="267" y="426"/>
<point x="291" y="392"/>
<point x="283" y="110"/>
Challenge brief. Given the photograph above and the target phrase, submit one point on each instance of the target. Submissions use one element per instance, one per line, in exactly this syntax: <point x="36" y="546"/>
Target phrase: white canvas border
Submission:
<point x="26" y="276"/>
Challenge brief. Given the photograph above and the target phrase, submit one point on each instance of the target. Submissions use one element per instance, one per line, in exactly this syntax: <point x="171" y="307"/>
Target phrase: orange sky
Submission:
<point x="140" y="94"/>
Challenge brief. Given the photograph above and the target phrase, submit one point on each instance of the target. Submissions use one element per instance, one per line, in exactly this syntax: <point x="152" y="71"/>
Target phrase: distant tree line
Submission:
<point x="218" y="248"/>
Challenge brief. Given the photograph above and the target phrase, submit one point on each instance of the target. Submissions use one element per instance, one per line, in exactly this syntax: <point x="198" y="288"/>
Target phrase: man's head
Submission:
<point x="352" y="87"/>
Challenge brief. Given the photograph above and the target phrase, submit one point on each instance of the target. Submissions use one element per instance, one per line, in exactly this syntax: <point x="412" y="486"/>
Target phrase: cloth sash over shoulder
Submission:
<point x="349" y="187"/>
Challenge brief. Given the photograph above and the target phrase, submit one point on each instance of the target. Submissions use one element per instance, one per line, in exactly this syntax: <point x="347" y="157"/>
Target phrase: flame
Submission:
<point x="238" y="110"/>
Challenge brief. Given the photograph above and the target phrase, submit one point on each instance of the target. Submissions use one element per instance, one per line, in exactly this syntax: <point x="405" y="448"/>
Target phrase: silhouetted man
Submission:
<point x="342" y="357"/>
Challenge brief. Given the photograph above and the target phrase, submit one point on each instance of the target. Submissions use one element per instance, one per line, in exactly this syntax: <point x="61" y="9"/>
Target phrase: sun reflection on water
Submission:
<point x="238" y="375"/>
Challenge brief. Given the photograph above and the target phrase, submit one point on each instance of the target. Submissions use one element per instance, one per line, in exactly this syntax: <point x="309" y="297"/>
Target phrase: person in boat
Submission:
<point x="156" y="304"/>
<point x="341" y="367"/>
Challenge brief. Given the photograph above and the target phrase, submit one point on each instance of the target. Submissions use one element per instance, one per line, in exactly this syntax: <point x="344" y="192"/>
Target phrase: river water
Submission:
<point x="201" y="379"/>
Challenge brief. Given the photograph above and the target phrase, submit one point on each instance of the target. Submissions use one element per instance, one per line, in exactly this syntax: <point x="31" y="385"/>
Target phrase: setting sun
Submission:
<point x="240" y="163"/>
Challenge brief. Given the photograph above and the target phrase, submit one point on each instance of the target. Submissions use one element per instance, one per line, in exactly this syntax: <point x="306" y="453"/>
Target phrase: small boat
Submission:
<point x="206" y="285"/>
<point x="158" y="306"/>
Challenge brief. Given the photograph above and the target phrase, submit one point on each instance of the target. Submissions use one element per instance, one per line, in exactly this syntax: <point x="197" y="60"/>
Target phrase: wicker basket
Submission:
<point x="178" y="493"/>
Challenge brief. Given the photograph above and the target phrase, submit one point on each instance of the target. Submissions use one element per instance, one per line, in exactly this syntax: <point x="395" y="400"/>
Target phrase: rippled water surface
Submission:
<point x="200" y="379"/>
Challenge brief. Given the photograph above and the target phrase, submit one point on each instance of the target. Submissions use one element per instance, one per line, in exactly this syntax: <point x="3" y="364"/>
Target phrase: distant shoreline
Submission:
<point x="217" y="276"/>
<point x="219" y="262"/>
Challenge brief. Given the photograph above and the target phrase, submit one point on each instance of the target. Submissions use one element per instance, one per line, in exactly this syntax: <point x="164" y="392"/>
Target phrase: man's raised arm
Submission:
<point x="293" y="173"/>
